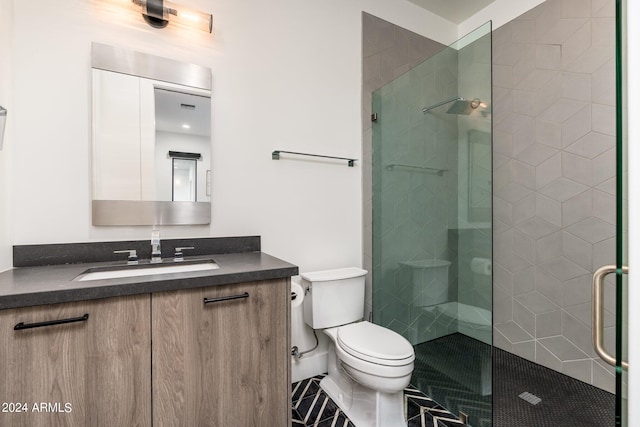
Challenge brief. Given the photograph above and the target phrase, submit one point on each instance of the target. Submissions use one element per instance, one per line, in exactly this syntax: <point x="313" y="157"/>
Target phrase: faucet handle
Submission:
<point x="132" y="258"/>
<point x="178" y="255"/>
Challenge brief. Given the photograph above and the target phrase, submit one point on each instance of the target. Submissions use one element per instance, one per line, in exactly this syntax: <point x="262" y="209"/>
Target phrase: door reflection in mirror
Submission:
<point x="184" y="182"/>
<point x="183" y="131"/>
<point x="137" y="121"/>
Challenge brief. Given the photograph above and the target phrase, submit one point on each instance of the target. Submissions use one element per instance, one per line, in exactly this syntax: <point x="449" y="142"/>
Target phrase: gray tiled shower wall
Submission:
<point x="473" y="289"/>
<point x="554" y="193"/>
<point x="553" y="177"/>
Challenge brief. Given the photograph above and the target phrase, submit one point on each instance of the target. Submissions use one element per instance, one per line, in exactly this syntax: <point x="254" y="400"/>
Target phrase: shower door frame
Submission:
<point x="632" y="88"/>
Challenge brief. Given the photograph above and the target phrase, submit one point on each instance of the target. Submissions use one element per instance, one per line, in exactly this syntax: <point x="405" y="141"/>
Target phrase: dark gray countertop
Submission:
<point x="29" y="286"/>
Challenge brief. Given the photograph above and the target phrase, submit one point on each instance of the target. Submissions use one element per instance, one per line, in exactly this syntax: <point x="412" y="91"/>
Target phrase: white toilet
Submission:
<point x="369" y="366"/>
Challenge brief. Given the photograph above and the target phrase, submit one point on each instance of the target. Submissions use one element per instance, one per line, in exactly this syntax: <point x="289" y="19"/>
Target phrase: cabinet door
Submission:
<point x="223" y="363"/>
<point x="91" y="371"/>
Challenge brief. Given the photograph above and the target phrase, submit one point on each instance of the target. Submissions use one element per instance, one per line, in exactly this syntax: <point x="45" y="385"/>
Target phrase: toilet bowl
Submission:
<point x="374" y="356"/>
<point x="368" y="365"/>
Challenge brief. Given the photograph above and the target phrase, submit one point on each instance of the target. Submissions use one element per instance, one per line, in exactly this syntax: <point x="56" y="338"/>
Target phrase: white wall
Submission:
<point x="499" y="12"/>
<point x="286" y="75"/>
<point x="6" y="237"/>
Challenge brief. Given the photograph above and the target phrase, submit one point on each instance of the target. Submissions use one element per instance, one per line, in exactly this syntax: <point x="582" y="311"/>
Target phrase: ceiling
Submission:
<point x="455" y="11"/>
<point x="176" y="110"/>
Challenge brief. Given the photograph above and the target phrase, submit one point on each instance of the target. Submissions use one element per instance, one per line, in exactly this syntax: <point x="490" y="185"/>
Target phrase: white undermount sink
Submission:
<point x="146" y="270"/>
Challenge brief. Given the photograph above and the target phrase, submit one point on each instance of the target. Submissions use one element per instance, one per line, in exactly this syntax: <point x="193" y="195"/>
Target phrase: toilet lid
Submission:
<point x="369" y="341"/>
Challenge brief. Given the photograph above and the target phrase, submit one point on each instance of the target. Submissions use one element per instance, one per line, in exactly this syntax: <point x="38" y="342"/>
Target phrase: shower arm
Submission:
<point x="425" y="110"/>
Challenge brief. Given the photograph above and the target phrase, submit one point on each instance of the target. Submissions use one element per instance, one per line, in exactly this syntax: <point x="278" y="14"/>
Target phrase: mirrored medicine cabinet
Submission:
<point x="151" y="139"/>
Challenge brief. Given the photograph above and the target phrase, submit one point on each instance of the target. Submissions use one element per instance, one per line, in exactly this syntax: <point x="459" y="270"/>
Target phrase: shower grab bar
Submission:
<point x="433" y="171"/>
<point x="276" y="156"/>
<point x="597" y="313"/>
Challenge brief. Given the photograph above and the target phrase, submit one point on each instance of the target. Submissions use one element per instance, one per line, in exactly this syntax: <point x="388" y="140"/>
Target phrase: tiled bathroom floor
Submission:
<point x="566" y="402"/>
<point x="450" y="371"/>
<point x="312" y="407"/>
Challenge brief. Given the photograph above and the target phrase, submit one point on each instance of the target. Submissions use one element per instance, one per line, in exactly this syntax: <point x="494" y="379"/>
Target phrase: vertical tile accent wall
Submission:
<point x="387" y="52"/>
<point x="554" y="189"/>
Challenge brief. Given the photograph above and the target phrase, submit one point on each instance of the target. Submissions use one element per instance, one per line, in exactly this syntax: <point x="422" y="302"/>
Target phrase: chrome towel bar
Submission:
<point x="434" y="171"/>
<point x="276" y="156"/>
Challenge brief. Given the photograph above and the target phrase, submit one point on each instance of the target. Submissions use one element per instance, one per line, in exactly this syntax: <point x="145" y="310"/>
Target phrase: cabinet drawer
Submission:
<point x="76" y="364"/>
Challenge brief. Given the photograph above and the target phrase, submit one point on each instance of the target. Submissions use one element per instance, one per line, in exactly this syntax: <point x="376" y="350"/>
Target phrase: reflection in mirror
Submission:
<point x="182" y="132"/>
<point x="145" y="108"/>
<point x="184" y="180"/>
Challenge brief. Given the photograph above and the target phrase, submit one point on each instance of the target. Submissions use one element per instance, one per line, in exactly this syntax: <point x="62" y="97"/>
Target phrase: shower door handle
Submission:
<point x="597" y="313"/>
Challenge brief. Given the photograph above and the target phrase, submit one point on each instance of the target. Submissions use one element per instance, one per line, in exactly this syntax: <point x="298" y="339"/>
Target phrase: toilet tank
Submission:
<point x="333" y="297"/>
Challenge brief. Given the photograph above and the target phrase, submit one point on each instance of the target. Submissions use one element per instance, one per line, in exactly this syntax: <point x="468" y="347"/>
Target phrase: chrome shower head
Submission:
<point x="460" y="105"/>
<point x="463" y="106"/>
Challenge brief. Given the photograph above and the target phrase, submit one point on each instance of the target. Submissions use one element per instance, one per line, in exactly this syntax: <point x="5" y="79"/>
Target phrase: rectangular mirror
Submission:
<point x="151" y="139"/>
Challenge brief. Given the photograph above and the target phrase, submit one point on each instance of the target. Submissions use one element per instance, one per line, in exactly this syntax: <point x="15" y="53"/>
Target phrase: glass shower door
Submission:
<point x="622" y="225"/>
<point x="617" y="356"/>
<point x="432" y="221"/>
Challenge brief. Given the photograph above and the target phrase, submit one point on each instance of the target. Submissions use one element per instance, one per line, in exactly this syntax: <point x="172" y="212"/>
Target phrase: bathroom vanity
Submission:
<point x="205" y="348"/>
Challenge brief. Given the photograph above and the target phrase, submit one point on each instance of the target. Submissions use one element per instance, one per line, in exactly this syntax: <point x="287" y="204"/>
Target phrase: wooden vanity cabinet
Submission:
<point x="215" y="356"/>
<point x="91" y="371"/>
<point x="221" y="356"/>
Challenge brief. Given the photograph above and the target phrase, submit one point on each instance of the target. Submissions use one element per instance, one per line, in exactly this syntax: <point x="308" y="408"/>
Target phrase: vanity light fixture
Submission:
<point x="158" y="13"/>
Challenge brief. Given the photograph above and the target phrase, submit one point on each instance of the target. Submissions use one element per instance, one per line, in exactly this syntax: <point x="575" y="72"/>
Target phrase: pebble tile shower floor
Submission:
<point x="565" y="401"/>
<point x="447" y="369"/>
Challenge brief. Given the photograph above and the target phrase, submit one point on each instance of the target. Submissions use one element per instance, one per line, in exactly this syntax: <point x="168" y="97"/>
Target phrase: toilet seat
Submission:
<point x="375" y="344"/>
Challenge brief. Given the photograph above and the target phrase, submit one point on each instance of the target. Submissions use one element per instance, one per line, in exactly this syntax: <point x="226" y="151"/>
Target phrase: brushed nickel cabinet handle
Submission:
<point x="23" y="325"/>
<point x="227" y="298"/>
<point x="597" y="313"/>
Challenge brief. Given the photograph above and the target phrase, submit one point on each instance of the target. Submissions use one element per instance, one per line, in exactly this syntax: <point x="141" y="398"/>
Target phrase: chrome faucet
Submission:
<point x="133" y="256"/>
<point x="178" y="255"/>
<point x="156" y="253"/>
